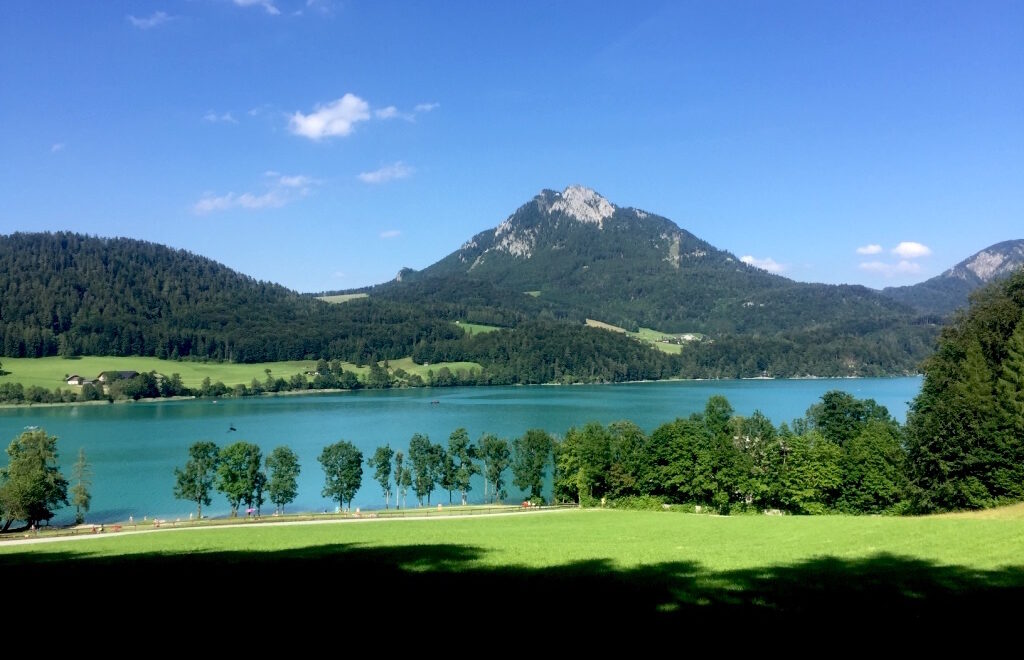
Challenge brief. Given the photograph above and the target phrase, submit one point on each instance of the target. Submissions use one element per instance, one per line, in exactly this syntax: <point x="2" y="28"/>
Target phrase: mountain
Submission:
<point x="587" y="257"/>
<point x="948" y="292"/>
<point x="580" y="256"/>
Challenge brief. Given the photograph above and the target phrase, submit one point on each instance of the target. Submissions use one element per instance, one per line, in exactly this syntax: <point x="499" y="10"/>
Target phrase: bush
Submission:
<point x="638" y="503"/>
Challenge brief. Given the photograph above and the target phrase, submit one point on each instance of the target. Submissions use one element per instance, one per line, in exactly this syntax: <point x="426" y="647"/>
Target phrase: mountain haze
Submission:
<point x="945" y="293"/>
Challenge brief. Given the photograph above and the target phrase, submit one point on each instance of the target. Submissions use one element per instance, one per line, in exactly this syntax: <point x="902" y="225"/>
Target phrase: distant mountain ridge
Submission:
<point x="945" y="293"/>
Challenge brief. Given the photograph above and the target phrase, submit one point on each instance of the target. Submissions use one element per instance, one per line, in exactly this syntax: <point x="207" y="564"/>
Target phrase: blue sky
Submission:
<point x="324" y="144"/>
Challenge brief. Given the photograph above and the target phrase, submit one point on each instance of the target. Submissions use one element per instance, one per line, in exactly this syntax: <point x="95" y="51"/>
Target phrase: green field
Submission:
<point x="655" y="338"/>
<point x="343" y="297"/>
<point x="476" y="328"/>
<point x="50" y="372"/>
<point x="618" y="564"/>
<point x="421" y="369"/>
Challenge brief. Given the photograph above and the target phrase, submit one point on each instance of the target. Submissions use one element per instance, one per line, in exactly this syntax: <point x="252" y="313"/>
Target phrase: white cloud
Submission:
<point x="214" y="118"/>
<point x="903" y="267"/>
<point x="266" y="4"/>
<point x="873" y="248"/>
<point x="389" y="112"/>
<point x="335" y="118"/>
<point x="391" y="233"/>
<point x="229" y="201"/>
<point x="282" y="190"/>
<point x="56" y="146"/>
<point x="151" y="22"/>
<point x="911" y="250"/>
<point x="426" y="107"/>
<point x="297" y="181"/>
<point x="387" y="173"/>
<point x="767" y="264"/>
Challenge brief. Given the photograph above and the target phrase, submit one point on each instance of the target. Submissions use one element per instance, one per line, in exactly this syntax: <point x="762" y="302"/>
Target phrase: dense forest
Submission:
<point x="68" y="294"/>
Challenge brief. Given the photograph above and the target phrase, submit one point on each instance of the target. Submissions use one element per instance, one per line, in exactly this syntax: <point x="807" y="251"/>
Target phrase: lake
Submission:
<point x="133" y="448"/>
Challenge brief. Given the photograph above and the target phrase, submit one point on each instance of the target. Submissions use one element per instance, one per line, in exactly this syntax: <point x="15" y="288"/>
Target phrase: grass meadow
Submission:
<point x="52" y="372"/>
<point x="581" y="565"/>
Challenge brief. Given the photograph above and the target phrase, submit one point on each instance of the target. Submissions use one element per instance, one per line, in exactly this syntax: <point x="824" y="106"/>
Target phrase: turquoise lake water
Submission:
<point x="134" y="447"/>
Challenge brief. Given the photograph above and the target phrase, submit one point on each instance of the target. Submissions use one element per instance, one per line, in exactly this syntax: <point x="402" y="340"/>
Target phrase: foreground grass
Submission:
<point x="578" y="565"/>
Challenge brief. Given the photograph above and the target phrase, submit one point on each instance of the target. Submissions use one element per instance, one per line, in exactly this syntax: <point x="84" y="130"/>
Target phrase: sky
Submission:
<point x="324" y="145"/>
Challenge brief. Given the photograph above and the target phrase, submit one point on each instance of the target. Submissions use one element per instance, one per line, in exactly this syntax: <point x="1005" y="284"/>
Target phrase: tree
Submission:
<point x="461" y="449"/>
<point x="81" y="474"/>
<point x="31" y="486"/>
<point x="874" y="480"/>
<point x="381" y="463"/>
<point x="195" y="482"/>
<point x="283" y="487"/>
<point x="426" y="467"/>
<point x="399" y="467"/>
<point x="532" y="455"/>
<point x="446" y="470"/>
<point x="239" y="474"/>
<point x="403" y="484"/>
<point x="964" y="445"/>
<point x="343" y="471"/>
<point x="496" y="457"/>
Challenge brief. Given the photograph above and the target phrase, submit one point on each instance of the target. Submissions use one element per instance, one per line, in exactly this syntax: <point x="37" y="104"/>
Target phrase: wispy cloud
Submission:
<point x="214" y="118"/>
<point x="767" y="264"/>
<point x="911" y="250"/>
<point x="280" y="190"/>
<point x="389" y="112"/>
<point x="391" y="233"/>
<point x="336" y="118"/>
<point x="873" y="248"/>
<point x="158" y="18"/>
<point x="210" y="202"/>
<point x="902" y="267"/>
<point x="268" y="5"/>
<point x="56" y="146"/>
<point x="339" y="117"/>
<point x="387" y="173"/>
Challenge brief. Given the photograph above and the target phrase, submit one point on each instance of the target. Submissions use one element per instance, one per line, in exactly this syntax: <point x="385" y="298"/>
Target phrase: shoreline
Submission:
<point x="105" y="402"/>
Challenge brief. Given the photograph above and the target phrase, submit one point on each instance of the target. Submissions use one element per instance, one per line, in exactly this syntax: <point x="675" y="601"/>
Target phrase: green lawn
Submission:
<point x="344" y="297"/>
<point x="577" y="565"/>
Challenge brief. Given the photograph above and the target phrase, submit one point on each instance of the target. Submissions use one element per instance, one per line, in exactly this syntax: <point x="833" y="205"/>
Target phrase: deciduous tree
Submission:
<point x="283" y="486"/>
<point x="343" y="471"/>
<point x="194" y="483"/>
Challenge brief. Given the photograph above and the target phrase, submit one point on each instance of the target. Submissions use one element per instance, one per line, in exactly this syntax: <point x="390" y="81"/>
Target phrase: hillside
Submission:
<point x="948" y="292"/>
<point x="68" y="294"/>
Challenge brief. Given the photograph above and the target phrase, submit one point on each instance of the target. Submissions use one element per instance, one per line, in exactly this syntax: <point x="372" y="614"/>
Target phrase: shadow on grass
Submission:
<point x="355" y="585"/>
